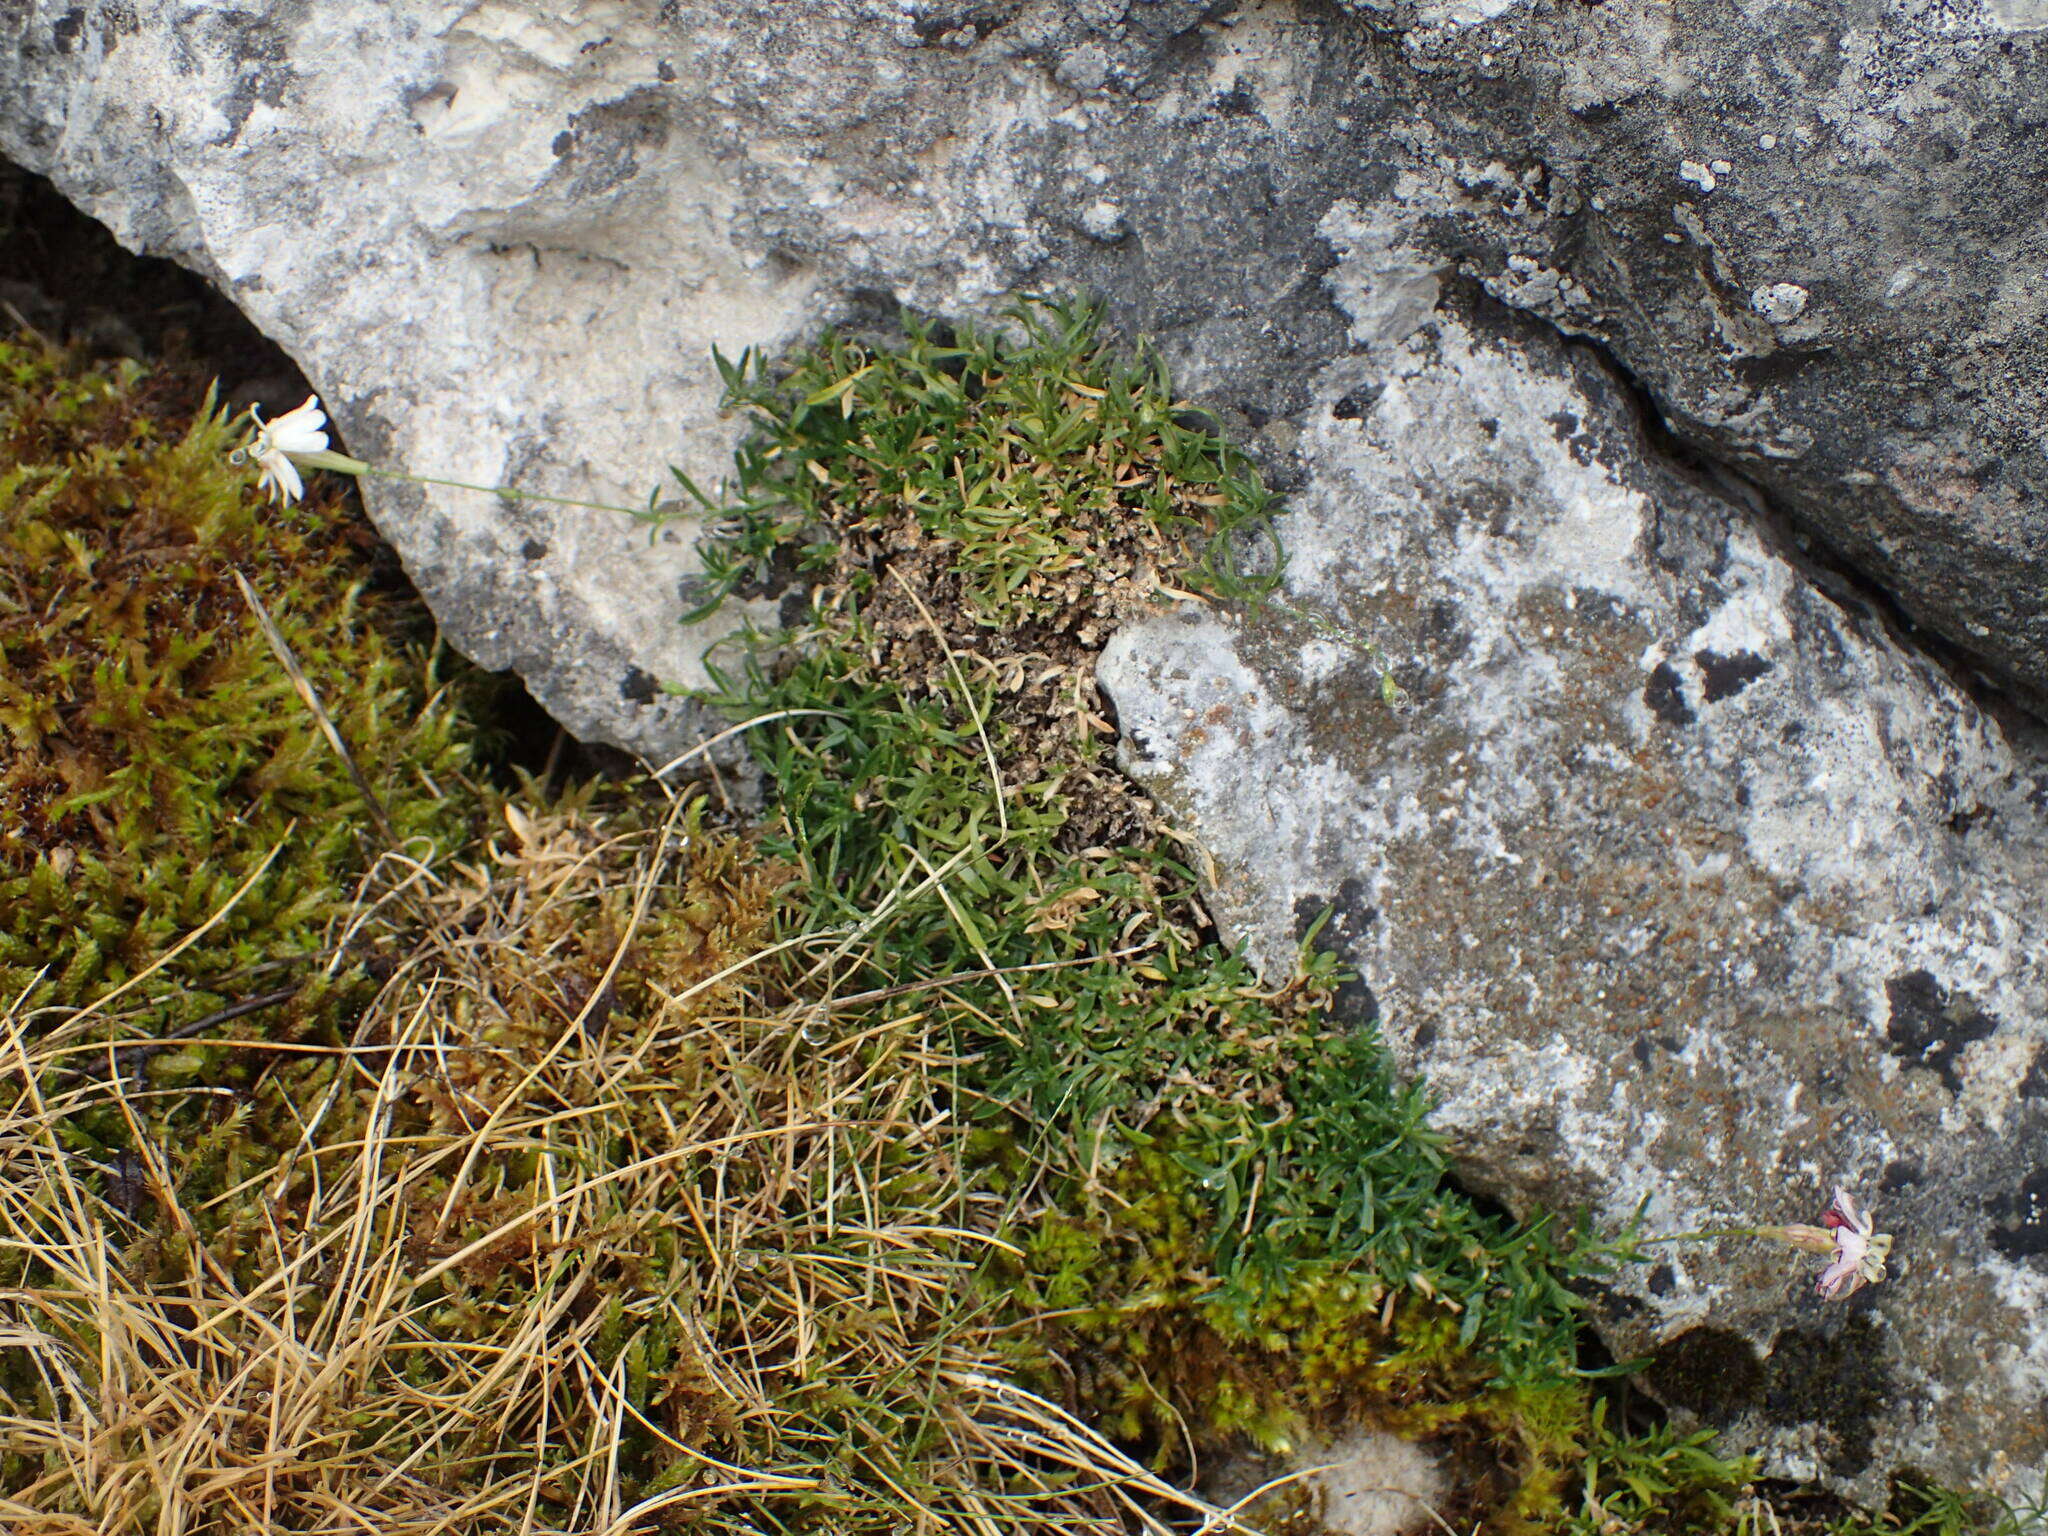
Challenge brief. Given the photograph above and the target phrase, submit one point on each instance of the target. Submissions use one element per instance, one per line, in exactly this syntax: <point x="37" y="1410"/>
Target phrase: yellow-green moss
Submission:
<point x="1175" y="1357"/>
<point x="152" y="750"/>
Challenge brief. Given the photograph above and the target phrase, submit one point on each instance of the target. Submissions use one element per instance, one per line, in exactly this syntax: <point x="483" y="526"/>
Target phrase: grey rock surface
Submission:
<point x="502" y="236"/>
<point x="1676" y="878"/>
<point x="1816" y="233"/>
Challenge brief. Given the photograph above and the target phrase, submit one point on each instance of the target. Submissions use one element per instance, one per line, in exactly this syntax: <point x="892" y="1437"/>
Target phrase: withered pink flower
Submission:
<point x="1856" y="1251"/>
<point x="1856" y="1248"/>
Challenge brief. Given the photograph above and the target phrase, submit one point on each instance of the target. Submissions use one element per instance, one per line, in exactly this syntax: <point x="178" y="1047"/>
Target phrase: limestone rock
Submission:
<point x="1812" y="234"/>
<point x="501" y="237"/>
<point x="1678" y="879"/>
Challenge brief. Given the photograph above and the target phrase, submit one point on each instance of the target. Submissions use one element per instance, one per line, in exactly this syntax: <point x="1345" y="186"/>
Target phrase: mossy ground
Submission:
<point x="153" y="754"/>
<point x="916" y="1159"/>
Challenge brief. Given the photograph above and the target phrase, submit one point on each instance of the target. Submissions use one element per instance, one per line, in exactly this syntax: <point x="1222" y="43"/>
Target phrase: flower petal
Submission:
<point x="1841" y="1278"/>
<point x="280" y="476"/>
<point x="299" y="431"/>
<point x="1842" y="1212"/>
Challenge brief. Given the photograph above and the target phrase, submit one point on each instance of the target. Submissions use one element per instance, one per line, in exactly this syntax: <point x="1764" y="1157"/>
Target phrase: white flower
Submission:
<point x="275" y="442"/>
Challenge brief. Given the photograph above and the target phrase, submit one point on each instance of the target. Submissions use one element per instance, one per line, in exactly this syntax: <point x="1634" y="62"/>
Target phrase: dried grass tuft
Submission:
<point x="603" y="1220"/>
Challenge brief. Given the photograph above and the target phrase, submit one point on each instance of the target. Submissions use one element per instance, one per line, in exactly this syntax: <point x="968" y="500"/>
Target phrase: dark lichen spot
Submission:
<point x="665" y="72"/>
<point x="980" y="20"/>
<point x="1236" y="102"/>
<point x="68" y="29"/>
<point x="1425" y="1034"/>
<point x="1598" y="608"/>
<point x="264" y="74"/>
<point x="1726" y="676"/>
<point x="1609" y="1306"/>
<point x="1709" y="1371"/>
<point x="639" y="687"/>
<point x="532" y="549"/>
<point x="1357" y="402"/>
<point x="1899" y="1173"/>
<point x="1564" y="424"/>
<point x="1663" y="1279"/>
<point x="2022" y="1232"/>
<point x="1355" y="1003"/>
<point x="780" y="572"/>
<point x="1837" y="1380"/>
<point x="1490" y="425"/>
<point x="1929" y="1028"/>
<point x="563" y="143"/>
<point x="1666" y="697"/>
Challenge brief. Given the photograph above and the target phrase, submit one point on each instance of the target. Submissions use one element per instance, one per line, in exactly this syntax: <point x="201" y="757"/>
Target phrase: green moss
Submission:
<point x="152" y="751"/>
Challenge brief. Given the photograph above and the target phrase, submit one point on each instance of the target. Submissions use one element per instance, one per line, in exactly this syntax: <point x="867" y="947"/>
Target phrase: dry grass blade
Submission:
<point x="310" y="696"/>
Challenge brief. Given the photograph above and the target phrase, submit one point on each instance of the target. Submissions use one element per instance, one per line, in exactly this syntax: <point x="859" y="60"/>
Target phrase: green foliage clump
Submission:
<point x="1238" y="1214"/>
<point x="1024" y="453"/>
<point x="1661" y="1480"/>
<point x="153" y="752"/>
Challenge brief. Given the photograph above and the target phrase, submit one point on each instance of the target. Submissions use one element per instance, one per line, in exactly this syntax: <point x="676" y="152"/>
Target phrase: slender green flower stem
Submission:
<point x="342" y="464"/>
